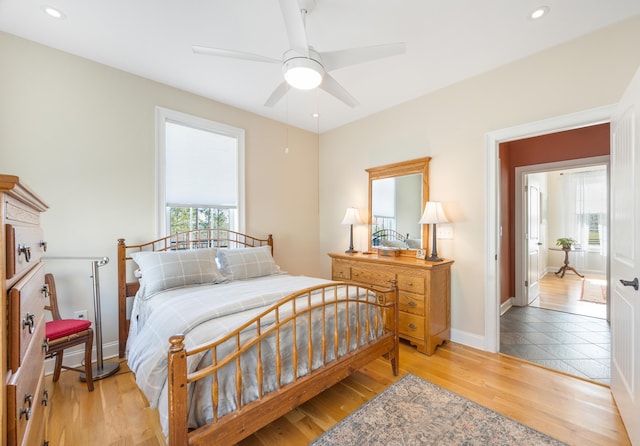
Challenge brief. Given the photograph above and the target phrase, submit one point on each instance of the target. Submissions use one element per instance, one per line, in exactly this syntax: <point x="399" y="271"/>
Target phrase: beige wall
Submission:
<point x="450" y="125"/>
<point x="81" y="135"/>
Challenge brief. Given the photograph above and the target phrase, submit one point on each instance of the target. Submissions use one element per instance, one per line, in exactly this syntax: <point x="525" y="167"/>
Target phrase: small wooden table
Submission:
<point x="563" y="269"/>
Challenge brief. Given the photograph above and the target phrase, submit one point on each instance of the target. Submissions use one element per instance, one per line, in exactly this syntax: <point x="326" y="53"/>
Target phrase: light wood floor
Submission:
<point x="563" y="294"/>
<point x="575" y="411"/>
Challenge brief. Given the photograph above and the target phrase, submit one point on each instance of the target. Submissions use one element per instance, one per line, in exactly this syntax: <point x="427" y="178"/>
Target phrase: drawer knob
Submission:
<point x="29" y="322"/>
<point x="43" y="245"/>
<point x="413" y="304"/>
<point x="45" y="290"/>
<point x="45" y="398"/>
<point x="412" y="326"/>
<point x="45" y="345"/>
<point x="28" y="399"/>
<point x="24" y="249"/>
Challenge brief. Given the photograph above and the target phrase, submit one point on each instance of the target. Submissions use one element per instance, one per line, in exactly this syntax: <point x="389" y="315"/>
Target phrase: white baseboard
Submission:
<point x="469" y="339"/>
<point x="74" y="358"/>
<point x="506" y="305"/>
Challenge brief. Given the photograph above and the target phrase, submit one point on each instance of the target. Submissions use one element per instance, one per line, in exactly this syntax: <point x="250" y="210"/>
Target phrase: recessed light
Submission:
<point x="53" y="12"/>
<point x="539" y="12"/>
<point x="315" y="115"/>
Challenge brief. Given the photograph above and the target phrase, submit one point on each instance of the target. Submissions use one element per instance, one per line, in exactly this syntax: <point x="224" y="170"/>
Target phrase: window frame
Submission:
<point x="162" y="116"/>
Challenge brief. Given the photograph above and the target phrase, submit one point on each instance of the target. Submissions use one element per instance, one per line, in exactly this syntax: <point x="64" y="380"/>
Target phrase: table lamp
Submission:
<point x="433" y="214"/>
<point x="351" y="217"/>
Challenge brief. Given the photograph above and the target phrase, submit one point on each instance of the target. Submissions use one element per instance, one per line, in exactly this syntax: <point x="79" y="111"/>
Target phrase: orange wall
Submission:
<point x="585" y="142"/>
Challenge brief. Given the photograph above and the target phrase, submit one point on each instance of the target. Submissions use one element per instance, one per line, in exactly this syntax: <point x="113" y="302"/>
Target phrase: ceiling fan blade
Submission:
<point x="232" y="54"/>
<point x="277" y="94"/>
<point x="333" y="60"/>
<point x="294" y="24"/>
<point x="331" y="86"/>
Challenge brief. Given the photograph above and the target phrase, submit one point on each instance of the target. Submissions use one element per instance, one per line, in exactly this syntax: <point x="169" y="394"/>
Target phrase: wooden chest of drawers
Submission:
<point x="23" y="410"/>
<point x="424" y="292"/>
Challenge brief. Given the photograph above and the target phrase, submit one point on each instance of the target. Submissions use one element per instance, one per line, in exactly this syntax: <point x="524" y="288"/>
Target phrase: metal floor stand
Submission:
<point x="101" y="369"/>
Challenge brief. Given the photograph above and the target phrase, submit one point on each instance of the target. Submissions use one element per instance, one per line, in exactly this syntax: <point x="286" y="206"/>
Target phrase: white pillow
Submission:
<point x="246" y="263"/>
<point x="173" y="269"/>
<point x="393" y="243"/>
<point x="414" y="243"/>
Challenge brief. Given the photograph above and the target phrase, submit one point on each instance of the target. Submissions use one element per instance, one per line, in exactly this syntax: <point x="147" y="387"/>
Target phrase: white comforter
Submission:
<point x="203" y="314"/>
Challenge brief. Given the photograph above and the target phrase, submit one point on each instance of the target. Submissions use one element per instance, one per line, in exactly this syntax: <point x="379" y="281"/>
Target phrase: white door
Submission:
<point x="625" y="258"/>
<point x="532" y="209"/>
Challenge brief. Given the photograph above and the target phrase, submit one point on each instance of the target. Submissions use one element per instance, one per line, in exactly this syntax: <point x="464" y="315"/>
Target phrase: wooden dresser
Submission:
<point x="424" y="292"/>
<point x="24" y="399"/>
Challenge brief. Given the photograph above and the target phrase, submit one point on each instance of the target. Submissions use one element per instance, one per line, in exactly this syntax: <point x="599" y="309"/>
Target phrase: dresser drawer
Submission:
<point x="17" y="212"/>
<point x="35" y="435"/>
<point x="26" y="315"/>
<point x="340" y="271"/>
<point x="411" y="325"/>
<point x="411" y="303"/>
<point x="423" y="287"/>
<point x="372" y="276"/>
<point x="25" y="247"/>
<point x="24" y="394"/>
<point x="413" y="284"/>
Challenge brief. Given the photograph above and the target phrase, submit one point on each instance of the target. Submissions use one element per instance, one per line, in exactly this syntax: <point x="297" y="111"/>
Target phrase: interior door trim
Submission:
<point x="493" y="139"/>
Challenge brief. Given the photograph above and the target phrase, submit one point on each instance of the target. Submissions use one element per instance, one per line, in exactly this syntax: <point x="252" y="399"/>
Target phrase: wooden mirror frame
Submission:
<point x="420" y="165"/>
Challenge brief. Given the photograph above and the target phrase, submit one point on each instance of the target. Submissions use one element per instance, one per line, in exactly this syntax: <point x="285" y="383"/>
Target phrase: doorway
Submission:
<point x="561" y="322"/>
<point x="560" y="201"/>
<point x="495" y="231"/>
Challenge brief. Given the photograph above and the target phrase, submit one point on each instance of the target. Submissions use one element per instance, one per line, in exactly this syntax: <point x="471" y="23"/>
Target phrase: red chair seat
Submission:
<point x="64" y="327"/>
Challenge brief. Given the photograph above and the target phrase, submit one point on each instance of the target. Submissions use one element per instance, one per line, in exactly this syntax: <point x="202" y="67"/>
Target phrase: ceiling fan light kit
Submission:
<point x="303" y="73"/>
<point x="302" y="66"/>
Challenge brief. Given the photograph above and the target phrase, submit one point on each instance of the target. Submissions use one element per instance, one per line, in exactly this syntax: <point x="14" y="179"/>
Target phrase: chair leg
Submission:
<point x="87" y="363"/>
<point x="58" y="366"/>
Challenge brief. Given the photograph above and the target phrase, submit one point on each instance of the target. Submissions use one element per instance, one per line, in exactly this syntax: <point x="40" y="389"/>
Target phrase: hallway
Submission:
<point x="578" y="344"/>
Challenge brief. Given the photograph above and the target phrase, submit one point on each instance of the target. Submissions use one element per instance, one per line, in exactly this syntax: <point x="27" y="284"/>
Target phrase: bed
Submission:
<point x="222" y="342"/>
<point x="390" y="238"/>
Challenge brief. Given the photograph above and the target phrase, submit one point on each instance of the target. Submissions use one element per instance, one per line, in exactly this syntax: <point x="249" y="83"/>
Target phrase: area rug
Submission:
<point x="594" y="290"/>
<point x="413" y="411"/>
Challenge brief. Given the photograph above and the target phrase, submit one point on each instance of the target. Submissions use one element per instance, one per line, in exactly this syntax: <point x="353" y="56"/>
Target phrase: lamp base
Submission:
<point x="351" y="250"/>
<point x="107" y="369"/>
<point x="434" y="259"/>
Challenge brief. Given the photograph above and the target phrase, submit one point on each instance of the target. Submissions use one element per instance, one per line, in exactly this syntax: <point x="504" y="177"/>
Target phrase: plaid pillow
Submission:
<point x="173" y="269"/>
<point x="245" y="263"/>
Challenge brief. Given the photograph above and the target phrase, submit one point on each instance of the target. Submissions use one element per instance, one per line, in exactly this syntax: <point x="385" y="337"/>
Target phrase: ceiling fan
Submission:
<point x="303" y="67"/>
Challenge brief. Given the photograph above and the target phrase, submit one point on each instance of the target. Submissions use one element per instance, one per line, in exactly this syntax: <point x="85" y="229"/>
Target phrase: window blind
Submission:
<point x="201" y="167"/>
<point x="385" y="203"/>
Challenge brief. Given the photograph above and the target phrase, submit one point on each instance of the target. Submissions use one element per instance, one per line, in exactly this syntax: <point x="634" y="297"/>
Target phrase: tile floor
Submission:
<point x="575" y="344"/>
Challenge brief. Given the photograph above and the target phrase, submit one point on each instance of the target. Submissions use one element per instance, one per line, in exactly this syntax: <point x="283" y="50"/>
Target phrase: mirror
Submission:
<point x="397" y="195"/>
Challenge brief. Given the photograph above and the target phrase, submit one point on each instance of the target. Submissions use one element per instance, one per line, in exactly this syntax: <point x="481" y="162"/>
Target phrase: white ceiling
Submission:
<point x="447" y="41"/>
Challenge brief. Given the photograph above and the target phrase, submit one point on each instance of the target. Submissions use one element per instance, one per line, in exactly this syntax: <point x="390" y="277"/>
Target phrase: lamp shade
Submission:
<point x="351" y="217"/>
<point x="433" y="213"/>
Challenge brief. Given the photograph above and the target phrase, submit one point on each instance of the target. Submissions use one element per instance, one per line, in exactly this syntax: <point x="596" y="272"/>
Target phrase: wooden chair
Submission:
<point x="65" y="333"/>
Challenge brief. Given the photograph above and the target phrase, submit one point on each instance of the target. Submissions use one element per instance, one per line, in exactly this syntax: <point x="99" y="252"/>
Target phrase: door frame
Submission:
<point x="493" y="139"/>
<point x="520" y="246"/>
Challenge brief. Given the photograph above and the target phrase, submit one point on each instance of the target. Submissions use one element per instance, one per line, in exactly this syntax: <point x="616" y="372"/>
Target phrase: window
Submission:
<point x="595" y="228"/>
<point x="585" y="197"/>
<point x="200" y="174"/>
<point x="383" y="209"/>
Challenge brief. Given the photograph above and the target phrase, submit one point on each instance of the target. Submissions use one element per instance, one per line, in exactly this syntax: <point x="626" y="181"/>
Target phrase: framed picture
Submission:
<point x="421" y="254"/>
